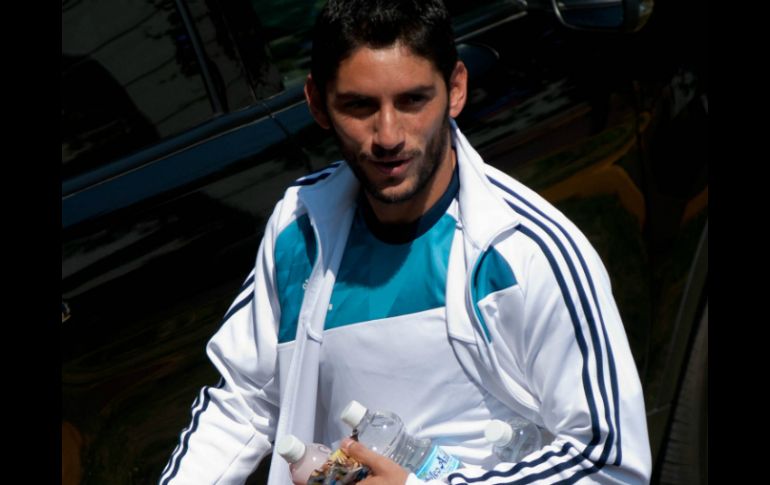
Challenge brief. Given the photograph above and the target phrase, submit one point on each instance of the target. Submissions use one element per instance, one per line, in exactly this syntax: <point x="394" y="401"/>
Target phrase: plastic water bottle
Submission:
<point x="515" y="439"/>
<point x="303" y="459"/>
<point x="384" y="432"/>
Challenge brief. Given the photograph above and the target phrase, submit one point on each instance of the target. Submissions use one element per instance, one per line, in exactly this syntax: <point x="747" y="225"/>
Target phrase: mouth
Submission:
<point x="391" y="167"/>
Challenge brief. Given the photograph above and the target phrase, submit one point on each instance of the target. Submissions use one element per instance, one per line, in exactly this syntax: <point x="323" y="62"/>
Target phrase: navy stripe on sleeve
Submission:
<point x="581" y="342"/>
<point x="515" y="468"/>
<point x="247" y="283"/>
<point x="176" y="449"/>
<point x="175" y="459"/>
<point x="578" y="475"/>
<point x="238" y="306"/>
<point x="588" y="388"/>
<point x="559" y="467"/>
<point x="194" y="426"/>
<point x="245" y="301"/>
<point x="589" y="315"/>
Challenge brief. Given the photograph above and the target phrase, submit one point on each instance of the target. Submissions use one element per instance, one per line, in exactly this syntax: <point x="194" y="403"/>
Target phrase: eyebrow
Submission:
<point x="427" y="90"/>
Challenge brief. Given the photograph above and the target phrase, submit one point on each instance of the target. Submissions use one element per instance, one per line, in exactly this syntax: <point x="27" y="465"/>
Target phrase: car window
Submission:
<point x="287" y="26"/>
<point x="233" y="33"/>
<point x="131" y="76"/>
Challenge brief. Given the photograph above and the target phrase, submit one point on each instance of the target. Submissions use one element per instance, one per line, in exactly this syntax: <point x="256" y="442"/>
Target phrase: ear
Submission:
<point x="316" y="103"/>
<point x="458" y="89"/>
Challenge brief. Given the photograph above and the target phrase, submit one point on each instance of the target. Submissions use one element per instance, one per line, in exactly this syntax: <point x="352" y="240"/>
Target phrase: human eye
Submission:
<point x="358" y="106"/>
<point x="356" y="103"/>
<point x="416" y="98"/>
<point x="413" y="101"/>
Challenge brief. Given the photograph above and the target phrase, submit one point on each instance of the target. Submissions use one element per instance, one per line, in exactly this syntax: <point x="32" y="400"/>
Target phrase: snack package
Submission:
<point x="339" y="469"/>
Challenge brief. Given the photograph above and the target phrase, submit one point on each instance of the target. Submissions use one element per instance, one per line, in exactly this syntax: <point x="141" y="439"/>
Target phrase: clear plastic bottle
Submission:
<point x="514" y="439"/>
<point x="384" y="432"/>
<point x="303" y="459"/>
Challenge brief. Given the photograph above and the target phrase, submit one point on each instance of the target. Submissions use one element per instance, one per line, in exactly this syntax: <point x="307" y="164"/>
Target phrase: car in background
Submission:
<point x="184" y="121"/>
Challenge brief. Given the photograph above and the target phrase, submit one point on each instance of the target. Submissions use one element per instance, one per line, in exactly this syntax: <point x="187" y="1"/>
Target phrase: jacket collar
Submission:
<point x="330" y="204"/>
<point x="483" y="212"/>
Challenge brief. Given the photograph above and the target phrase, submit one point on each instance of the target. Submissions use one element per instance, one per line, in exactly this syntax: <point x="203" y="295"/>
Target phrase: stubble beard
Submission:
<point x="432" y="158"/>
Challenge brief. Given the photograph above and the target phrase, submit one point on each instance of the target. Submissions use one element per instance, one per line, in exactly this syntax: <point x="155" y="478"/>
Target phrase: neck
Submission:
<point x="414" y="208"/>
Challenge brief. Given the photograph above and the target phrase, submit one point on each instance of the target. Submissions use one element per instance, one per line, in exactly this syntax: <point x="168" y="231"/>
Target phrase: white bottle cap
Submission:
<point x="498" y="433"/>
<point x="291" y="448"/>
<point x="353" y="413"/>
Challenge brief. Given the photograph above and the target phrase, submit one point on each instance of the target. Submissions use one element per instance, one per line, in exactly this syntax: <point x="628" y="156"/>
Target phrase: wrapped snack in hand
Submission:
<point x="340" y="469"/>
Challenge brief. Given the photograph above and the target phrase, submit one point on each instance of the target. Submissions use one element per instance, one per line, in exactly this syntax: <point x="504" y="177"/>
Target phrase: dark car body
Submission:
<point x="183" y="122"/>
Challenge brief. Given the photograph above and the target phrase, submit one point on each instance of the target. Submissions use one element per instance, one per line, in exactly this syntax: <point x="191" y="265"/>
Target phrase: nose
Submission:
<point x="388" y="132"/>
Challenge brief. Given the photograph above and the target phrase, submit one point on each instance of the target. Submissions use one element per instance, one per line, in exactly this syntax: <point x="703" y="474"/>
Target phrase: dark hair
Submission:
<point x="344" y="25"/>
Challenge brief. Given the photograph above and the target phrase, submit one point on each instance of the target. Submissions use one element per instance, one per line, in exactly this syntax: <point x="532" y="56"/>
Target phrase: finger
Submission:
<point x="364" y="455"/>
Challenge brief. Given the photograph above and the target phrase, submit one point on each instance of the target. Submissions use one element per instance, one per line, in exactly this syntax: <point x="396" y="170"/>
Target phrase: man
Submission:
<point x="415" y="278"/>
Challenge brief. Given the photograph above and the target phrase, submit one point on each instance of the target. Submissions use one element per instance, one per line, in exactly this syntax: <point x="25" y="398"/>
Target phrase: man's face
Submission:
<point x="389" y="111"/>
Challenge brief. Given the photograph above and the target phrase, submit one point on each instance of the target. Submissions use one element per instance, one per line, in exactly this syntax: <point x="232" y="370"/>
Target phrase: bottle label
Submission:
<point x="437" y="464"/>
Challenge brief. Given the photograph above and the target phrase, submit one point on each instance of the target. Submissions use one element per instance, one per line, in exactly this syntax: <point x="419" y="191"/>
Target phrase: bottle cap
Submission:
<point x="291" y="448"/>
<point x="498" y="433"/>
<point x="353" y="413"/>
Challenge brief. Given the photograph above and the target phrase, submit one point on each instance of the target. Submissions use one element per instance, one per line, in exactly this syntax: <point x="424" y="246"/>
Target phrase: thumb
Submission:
<point x="376" y="462"/>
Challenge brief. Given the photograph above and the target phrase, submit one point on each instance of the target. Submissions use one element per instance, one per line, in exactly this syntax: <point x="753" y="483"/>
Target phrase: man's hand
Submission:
<point x="383" y="471"/>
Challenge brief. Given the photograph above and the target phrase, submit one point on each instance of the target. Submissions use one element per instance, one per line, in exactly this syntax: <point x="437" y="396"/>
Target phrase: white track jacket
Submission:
<point x="551" y="347"/>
